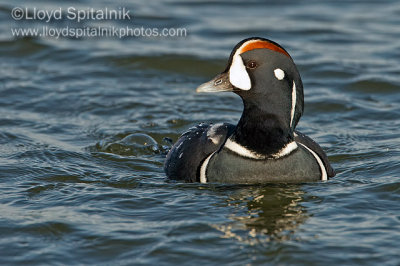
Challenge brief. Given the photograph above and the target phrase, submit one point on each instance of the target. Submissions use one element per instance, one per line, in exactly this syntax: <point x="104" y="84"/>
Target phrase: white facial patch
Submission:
<point x="238" y="75"/>
<point x="279" y="73"/>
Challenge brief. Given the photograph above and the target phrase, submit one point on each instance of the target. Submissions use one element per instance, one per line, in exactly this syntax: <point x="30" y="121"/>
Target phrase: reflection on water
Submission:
<point x="264" y="214"/>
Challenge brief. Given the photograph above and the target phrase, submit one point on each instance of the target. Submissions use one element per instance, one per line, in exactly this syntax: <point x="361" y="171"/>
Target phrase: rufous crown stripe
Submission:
<point x="262" y="44"/>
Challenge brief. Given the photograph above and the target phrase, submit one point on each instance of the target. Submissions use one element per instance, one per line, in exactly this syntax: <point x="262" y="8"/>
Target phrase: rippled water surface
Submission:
<point x="84" y="128"/>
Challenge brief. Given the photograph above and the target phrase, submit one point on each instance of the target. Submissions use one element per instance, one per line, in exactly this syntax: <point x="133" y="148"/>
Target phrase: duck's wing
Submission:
<point x="192" y="148"/>
<point x="311" y="144"/>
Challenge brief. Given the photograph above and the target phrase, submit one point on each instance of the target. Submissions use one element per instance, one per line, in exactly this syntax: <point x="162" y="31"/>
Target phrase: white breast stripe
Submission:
<point x="203" y="169"/>
<point x="239" y="149"/>
<point x="324" y="176"/>
<point x="286" y="150"/>
<point x="293" y="103"/>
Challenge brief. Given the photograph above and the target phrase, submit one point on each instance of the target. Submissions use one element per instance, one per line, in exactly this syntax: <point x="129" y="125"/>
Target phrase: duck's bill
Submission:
<point x="217" y="84"/>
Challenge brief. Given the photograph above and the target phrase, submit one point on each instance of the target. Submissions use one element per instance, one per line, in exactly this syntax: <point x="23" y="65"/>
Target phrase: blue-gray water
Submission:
<point x="82" y="124"/>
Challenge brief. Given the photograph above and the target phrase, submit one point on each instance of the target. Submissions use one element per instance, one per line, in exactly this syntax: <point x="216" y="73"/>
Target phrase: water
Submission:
<point x="83" y="126"/>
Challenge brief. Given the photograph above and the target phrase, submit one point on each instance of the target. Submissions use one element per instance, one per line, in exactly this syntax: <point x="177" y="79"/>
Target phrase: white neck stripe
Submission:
<point x="243" y="151"/>
<point x="324" y="175"/>
<point x="293" y="104"/>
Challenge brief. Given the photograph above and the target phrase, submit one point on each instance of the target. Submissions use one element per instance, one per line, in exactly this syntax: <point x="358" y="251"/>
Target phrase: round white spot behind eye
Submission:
<point x="279" y="73"/>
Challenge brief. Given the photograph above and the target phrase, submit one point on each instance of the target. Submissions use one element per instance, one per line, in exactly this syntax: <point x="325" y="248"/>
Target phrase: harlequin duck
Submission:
<point x="264" y="146"/>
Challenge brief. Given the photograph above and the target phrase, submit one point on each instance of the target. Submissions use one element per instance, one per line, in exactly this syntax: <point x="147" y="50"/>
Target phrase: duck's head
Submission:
<point x="264" y="75"/>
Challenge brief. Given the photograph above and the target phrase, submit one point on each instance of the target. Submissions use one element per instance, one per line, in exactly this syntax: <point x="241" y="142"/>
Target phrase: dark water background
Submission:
<point x="82" y="124"/>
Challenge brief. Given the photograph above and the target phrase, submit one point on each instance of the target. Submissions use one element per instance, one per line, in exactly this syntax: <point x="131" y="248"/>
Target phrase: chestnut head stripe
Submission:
<point x="259" y="44"/>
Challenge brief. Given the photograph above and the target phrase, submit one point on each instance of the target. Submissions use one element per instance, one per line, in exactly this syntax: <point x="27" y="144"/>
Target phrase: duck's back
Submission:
<point x="192" y="148"/>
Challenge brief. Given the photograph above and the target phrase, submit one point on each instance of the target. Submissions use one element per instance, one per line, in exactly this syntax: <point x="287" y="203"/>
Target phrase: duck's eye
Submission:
<point x="251" y="64"/>
<point x="279" y="73"/>
<point x="218" y="82"/>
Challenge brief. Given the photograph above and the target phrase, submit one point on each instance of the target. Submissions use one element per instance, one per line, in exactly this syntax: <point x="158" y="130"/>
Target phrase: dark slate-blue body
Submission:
<point x="200" y="155"/>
